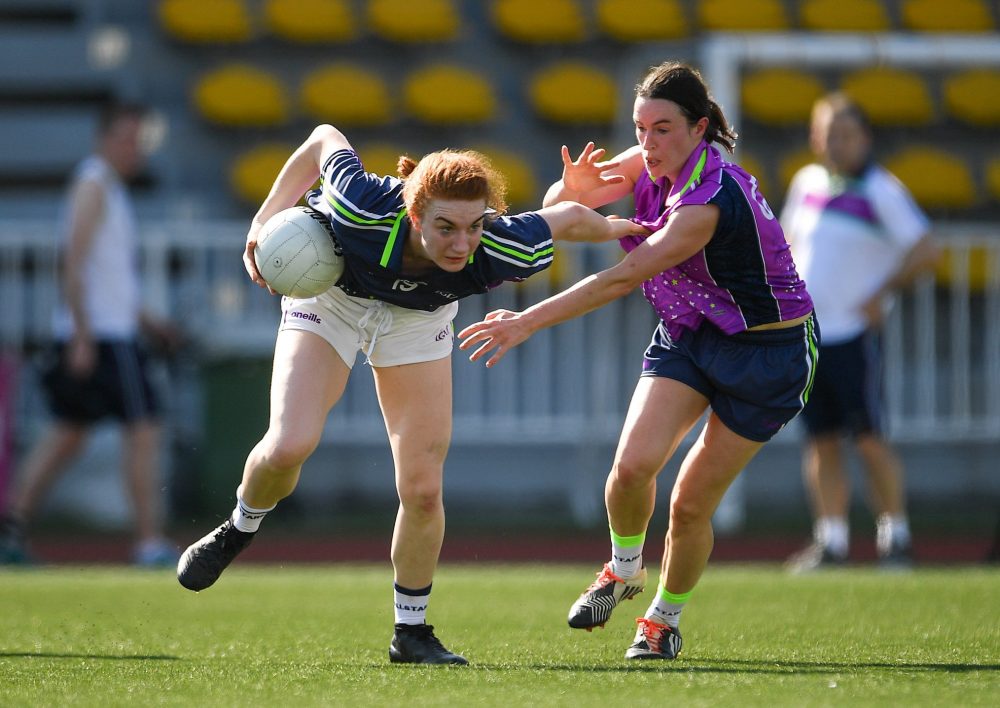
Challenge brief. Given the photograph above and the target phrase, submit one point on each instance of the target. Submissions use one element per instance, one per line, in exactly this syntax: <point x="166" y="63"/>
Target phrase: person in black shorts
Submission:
<point x="96" y="368"/>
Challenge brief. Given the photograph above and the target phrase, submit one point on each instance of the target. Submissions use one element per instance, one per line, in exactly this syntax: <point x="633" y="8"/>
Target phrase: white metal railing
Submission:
<point x="571" y="383"/>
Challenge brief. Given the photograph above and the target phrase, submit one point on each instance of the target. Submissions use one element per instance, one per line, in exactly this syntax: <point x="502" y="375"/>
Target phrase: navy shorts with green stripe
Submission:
<point x="756" y="382"/>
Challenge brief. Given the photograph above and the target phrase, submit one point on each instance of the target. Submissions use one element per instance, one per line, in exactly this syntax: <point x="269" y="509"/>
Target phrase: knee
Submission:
<point x="421" y="496"/>
<point x="633" y="473"/>
<point x="687" y="513"/>
<point x="286" y="451"/>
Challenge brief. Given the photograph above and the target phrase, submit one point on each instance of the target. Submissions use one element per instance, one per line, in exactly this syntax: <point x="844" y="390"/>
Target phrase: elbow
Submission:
<point x="583" y="223"/>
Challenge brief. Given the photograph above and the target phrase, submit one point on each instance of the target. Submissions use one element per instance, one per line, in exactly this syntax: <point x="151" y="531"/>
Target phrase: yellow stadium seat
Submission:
<point x="241" y="95"/>
<point x="252" y="173"/>
<point x="408" y="21"/>
<point x="780" y="96"/>
<point x="574" y="93"/>
<point x="522" y="187"/>
<point x="753" y="165"/>
<point x="446" y="94"/>
<point x="381" y="158"/>
<point x="890" y="96"/>
<point x="641" y="20"/>
<point x="946" y="16"/>
<point x="993" y="178"/>
<point x="346" y="94"/>
<point x="936" y="178"/>
<point x="976" y="260"/>
<point x="974" y="96"/>
<point x="844" y="16"/>
<point x="741" y="15"/>
<point x="217" y="21"/>
<point x="540" y="22"/>
<point x="792" y="163"/>
<point x="311" y="21"/>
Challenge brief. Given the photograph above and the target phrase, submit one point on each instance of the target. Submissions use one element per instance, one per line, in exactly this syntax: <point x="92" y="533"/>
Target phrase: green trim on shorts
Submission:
<point x="813" y="357"/>
<point x="627" y="541"/>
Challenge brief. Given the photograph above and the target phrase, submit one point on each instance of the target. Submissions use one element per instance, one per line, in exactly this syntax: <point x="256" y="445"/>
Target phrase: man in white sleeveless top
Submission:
<point x="96" y="368"/>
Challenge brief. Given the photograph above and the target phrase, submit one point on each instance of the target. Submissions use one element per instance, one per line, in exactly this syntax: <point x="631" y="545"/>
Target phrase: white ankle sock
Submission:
<point x="410" y="605"/>
<point x="892" y="530"/>
<point x="245" y="517"/>
<point x="626" y="554"/>
<point x="832" y="533"/>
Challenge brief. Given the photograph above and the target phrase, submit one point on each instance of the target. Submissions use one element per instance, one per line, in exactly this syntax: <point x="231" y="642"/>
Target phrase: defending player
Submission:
<point x="413" y="247"/>
<point x="737" y="337"/>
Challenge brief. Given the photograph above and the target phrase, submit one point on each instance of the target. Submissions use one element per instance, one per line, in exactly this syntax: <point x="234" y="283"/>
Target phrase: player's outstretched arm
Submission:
<point x="687" y="231"/>
<point x="297" y="175"/>
<point x="570" y="221"/>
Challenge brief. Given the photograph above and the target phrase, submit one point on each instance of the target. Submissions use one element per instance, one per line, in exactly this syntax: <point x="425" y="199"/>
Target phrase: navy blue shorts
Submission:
<point x="118" y="387"/>
<point x="847" y="396"/>
<point x="755" y="381"/>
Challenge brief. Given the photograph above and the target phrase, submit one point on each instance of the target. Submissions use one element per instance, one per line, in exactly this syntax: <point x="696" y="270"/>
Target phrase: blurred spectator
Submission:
<point x="857" y="237"/>
<point x="96" y="367"/>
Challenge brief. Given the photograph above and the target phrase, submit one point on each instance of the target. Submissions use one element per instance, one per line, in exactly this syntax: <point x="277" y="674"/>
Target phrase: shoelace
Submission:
<point x="426" y="632"/>
<point x="382" y="317"/>
<point x="603" y="577"/>
<point x="653" y="632"/>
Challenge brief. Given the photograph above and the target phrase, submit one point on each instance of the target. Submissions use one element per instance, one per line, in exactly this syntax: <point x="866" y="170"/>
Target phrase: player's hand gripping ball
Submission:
<point x="297" y="253"/>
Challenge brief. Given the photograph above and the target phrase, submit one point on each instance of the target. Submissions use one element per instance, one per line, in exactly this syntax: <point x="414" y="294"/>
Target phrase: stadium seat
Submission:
<point x="937" y="179"/>
<point x="574" y="93"/>
<point x="252" y="173"/>
<point x="844" y="16"/>
<point x="241" y="95"/>
<point x="381" y="158"/>
<point x="792" y="163"/>
<point x="311" y="21"/>
<point x="446" y="94"/>
<point x="641" y="20"/>
<point x="741" y="15"/>
<point x="780" y="96"/>
<point x="406" y="21"/>
<point x="946" y="16"/>
<point x="218" y="21"/>
<point x="535" y="22"/>
<point x="973" y="96"/>
<point x="522" y="187"/>
<point x="993" y="178"/>
<point x="976" y="260"/>
<point x="750" y="163"/>
<point x="890" y="96"/>
<point x="346" y="94"/>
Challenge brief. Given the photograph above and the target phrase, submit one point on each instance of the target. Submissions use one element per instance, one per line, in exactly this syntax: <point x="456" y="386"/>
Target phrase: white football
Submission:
<point x="297" y="253"/>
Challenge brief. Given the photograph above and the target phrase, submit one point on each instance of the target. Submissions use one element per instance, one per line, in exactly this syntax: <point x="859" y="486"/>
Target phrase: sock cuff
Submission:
<point x="246" y="508"/>
<point x="671" y="597"/>
<point x="627" y="541"/>
<point x="413" y="593"/>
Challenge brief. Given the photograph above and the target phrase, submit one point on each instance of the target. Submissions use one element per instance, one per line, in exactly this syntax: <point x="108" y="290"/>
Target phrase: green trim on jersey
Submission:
<point x="354" y="217"/>
<point x="387" y="251"/>
<point x="696" y="172"/>
<point x="530" y="258"/>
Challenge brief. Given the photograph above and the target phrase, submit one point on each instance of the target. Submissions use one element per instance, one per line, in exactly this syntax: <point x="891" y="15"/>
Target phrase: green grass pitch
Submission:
<point x="318" y="635"/>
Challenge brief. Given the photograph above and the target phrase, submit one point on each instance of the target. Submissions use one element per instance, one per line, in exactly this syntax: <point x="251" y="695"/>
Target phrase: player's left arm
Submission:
<point x="570" y="221"/>
<point x="921" y="258"/>
<point x="686" y="232"/>
<point x="297" y="175"/>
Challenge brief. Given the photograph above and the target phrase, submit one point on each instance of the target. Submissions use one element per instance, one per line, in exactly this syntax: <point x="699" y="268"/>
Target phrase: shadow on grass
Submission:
<point x="745" y="666"/>
<point x="112" y="657"/>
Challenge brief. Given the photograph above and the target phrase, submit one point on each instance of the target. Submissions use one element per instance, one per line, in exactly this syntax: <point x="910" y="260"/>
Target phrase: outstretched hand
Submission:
<point x="500" y="330"/>
<point x="585" y="173"/>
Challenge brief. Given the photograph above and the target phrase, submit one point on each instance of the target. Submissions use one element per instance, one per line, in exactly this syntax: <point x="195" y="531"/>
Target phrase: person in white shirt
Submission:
<point x="857" y="237"/>
<point x="96" y="368"/>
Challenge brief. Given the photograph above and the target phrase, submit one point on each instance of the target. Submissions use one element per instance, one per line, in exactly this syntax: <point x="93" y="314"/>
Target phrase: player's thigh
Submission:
<point x="416" y="401"/>
<point x="307" y="378"/>
<point x="661" y="413"/>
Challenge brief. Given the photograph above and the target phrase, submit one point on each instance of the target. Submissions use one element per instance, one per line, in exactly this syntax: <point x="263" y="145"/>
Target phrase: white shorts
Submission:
<point x="388" y="335"/>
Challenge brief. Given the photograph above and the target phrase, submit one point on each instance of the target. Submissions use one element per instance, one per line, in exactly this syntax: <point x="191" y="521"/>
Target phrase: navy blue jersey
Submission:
<point x="370" y="222"/>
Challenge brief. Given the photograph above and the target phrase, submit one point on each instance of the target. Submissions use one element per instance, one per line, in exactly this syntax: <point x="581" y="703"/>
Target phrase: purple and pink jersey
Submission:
<point x="745" y="276"/>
